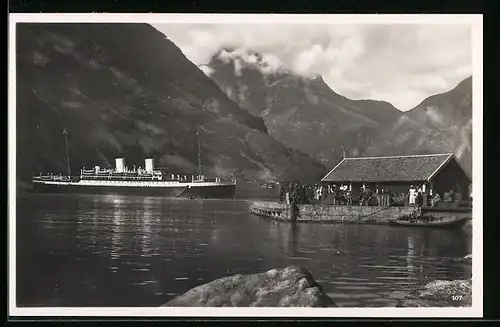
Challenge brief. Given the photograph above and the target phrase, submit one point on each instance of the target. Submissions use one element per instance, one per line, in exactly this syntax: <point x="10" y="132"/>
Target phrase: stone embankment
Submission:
<point x="345" y="213"/>
<point x="329" y="213"/>
<point x="288" y="287"/>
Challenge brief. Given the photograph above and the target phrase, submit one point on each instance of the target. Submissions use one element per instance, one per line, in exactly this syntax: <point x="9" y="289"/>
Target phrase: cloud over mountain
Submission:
<point x="402" y="64"/>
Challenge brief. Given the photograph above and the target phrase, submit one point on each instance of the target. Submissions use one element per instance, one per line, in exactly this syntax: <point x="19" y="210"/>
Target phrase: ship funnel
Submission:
<point x="149" y="163"/>
<point x="120" y="165"/>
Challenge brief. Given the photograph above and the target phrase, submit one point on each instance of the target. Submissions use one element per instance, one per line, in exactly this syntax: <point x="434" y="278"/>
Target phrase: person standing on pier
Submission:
<point x="334" y="194"/>
<point x="420" y="198"/>
<point x="435" y="200"/>
<point x="288" y="188"/>
<point x="281" y="192"/>
<point x="412" y="196"/>
<point x="294" y="209"/>
<point x="302" y="194"/>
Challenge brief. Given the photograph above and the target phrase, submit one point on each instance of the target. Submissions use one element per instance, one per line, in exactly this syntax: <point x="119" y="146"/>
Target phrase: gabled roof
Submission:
<point x="388" y="169"/>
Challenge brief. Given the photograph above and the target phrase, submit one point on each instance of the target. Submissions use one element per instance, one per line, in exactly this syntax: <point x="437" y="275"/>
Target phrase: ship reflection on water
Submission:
<point x="133" y="251"/>
<point x="116" y="236"/>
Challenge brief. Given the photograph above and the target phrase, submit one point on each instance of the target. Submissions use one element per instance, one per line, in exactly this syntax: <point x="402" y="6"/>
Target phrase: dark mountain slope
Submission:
<point x="126" y="90"/>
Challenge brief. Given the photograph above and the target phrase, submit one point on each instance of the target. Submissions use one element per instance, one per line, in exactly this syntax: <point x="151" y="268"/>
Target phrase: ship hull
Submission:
<point x="225" y="191"/>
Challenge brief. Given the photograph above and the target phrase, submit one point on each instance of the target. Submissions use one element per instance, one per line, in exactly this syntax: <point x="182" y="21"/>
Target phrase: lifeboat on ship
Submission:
<point x="104" y="172"/>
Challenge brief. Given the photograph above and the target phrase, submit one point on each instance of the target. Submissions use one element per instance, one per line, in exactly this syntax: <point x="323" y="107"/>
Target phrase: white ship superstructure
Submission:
<point x="123" y="179"/>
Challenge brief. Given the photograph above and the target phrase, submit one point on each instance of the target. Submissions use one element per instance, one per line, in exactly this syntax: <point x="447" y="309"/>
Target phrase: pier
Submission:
<point x="325" y="213"/>
<point x="375" y="190"/>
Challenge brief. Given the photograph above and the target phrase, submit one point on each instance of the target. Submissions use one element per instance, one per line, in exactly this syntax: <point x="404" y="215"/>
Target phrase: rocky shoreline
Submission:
<point x="440" y="293"/>
<point x="294" y="286"/>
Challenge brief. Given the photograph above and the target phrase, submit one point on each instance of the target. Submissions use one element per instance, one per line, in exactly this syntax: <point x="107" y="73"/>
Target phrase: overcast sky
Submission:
<point x="401" y="64"/>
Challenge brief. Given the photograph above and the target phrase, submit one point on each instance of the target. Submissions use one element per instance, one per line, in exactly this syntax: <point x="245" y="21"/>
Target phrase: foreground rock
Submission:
<point x="440" y="293"/>
<point x="288" y="287"/>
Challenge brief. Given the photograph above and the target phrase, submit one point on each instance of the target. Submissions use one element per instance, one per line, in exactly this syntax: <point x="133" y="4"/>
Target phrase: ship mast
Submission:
<point x="65" y="132"/>
<point x="199" y="152"/>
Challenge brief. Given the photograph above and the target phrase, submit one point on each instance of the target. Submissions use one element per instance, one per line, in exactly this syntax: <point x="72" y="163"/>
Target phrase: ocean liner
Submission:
<point x="146" y="181"/>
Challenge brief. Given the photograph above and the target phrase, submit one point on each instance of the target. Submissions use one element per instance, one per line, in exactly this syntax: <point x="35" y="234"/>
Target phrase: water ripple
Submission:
<point x="144" y="251"/>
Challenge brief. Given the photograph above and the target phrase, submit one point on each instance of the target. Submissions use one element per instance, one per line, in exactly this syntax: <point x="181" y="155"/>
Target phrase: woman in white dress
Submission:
<point x="412" y="196"/>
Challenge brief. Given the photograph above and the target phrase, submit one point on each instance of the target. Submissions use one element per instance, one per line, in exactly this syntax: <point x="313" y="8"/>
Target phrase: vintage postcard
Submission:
<point x="245" y="165"/>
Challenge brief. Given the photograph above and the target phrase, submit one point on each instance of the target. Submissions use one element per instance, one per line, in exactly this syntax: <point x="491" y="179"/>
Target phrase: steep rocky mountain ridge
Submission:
<point x="439" y="124"/>
<point x="306" y="114"/>
<point x="300" y="111"/>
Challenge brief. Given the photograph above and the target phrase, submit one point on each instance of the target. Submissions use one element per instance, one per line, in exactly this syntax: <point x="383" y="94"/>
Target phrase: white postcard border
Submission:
<point x="475" y="20"/>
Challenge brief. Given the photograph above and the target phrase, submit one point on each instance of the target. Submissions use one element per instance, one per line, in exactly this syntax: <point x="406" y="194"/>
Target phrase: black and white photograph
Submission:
<point x="225" y="165"/>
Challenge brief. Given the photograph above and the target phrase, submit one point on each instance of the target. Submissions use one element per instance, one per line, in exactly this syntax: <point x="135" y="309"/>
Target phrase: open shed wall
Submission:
<point x="451" y="177"/>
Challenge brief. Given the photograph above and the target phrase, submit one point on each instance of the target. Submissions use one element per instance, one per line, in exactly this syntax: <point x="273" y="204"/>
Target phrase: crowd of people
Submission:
<point x="304" y="194"/>
<point x="420" y="197"/>
<point x="300" y="193"/>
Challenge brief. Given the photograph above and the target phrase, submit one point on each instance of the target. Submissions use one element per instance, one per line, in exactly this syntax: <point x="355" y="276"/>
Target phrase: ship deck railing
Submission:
<point x="156" y="178"/>
<point x="60" y="178"/>
<point x="115" y="177"/>
<point x="57" y="178"/>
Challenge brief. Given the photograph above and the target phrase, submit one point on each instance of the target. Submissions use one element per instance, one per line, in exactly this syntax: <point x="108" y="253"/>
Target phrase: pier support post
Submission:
<point x="292" y="212"/>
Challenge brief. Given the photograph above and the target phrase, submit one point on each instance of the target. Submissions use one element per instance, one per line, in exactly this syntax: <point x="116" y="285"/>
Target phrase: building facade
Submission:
<point x="432" y="173"/>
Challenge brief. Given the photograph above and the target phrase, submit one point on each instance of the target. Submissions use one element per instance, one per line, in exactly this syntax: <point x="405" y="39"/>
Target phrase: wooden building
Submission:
<point x="437" y="172"/>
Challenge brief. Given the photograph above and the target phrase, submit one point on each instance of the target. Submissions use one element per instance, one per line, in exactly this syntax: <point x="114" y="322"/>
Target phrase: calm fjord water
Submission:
<point x="132" y="251"/>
